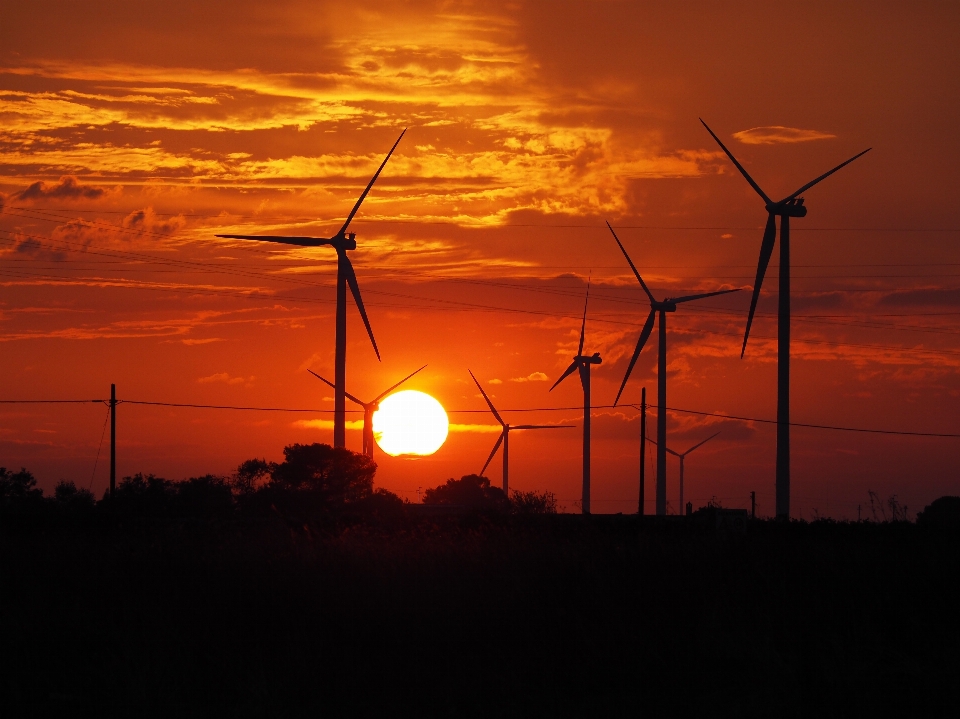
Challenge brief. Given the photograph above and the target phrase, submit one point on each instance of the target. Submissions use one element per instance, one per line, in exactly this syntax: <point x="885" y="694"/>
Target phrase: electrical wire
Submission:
<point x="650" y="408"/>
<point x="379" y="220"/>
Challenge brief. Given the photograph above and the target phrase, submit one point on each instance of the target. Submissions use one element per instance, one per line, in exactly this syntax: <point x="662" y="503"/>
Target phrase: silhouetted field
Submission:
<point x="477" y="615"/>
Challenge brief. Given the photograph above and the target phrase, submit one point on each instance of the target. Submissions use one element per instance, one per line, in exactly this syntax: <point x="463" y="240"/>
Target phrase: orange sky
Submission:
<point x="132" y="133"/>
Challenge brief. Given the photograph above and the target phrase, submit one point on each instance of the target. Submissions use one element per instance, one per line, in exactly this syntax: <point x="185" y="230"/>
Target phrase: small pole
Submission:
<point x="113" y="439"/>
<point x="753" y="505"/>
<point x="643" y="443"/>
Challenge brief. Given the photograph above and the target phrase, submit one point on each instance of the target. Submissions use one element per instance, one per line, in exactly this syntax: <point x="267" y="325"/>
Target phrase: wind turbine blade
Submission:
<point x="543" y="426"/>
<point x="691" y="298"/>
<point x="355" y="289"/>
<point x="569" y="371"/>
<point x="489" y="403"/>
<point x="495" y="448"/>
<point x="388" y="391"/>
<point x="766" y="251"/>
<point x="346" y="394"/>
<point x="743" y="172"/>
<point x="825" y="175"/>
<point x="373" y="179"/>
<point x="632" y="266"/>
<point x="667" y="449"/>
<point x="583" y="325"/>
<point x="701" y="444"/>
<point x="300" y="241"/>
<point x="644" y="336"/>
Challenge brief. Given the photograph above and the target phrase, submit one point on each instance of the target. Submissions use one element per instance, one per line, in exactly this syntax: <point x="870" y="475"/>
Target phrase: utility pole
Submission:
<point x="643" y="443"/>
<point x="113" y="439"/>
<point x="753" y="505"/>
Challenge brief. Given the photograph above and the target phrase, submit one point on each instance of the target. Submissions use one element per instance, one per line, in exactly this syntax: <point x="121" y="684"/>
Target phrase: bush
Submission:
<point x="204" y="497"/>
<point x="70" y="498"/>
<point x="472" y="491"/>
<point x="942" y="513"/>
<point x="534" y="502"/>
<point x="144" y="496"/>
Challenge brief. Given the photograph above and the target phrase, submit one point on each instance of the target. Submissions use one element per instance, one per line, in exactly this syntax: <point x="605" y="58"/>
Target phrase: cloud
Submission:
<point x="495" y="381"/>
<point x="778" y="134"/>
<point x="206" y="341"/>
<point x="325" y="424"/>
<point x="532" y="377"/>
<point x="476" y="428"/>
<point x="225" y="378"/>
<point x="66" y="189"/>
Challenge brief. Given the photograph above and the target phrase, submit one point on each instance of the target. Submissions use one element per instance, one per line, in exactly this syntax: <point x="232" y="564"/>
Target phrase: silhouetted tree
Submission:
<point x="18" y="490"/>
<point x="147" y="496"/>
<point x="251" y="475"/>
<point x="942" y="513"/>
<point x="471" y="490"/>
<point x="534" y="502"/>
<point x="204" y="497"/>
<point x="70" y="498"/>
<point x="334" y="474"/>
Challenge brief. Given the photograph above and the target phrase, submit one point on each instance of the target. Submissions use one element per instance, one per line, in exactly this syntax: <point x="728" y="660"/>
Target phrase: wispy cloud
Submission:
<point x="778" y="134"/>
<point x="532" y="377"/>
<point x="225" y="379"/>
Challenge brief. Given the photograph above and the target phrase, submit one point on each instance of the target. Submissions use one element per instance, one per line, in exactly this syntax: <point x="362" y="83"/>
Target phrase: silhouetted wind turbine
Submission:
<point x="504" y="438"/>
<point x="582" y="363"/>
<point x="661" y="309"/>
<point x="368" y="408"/>
<point x="341" y="242"/>
<point x="683" y="456"/>
<point x="789" y="206"/>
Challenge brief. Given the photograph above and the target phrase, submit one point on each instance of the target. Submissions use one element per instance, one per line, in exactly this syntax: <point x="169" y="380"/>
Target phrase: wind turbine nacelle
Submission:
<point x="793" y="208"/>
<point x="350" y="241"/>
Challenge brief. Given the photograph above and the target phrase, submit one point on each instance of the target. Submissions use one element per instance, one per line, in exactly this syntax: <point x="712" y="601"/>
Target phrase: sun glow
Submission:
<point x="410" y="422"/>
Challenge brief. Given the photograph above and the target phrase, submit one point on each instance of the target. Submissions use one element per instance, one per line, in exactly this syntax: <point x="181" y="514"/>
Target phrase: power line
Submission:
<point x="457" y="306"/>
<point x="518" y="409"/>
<point x="380" y="220"/>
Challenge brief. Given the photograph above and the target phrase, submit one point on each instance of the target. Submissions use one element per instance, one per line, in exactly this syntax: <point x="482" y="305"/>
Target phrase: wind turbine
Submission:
<point x="583" y="363"/>
<point x="661" y="309"/>
<point x="341" y="242"/>
<point x="505" y="437"/>
<point x="368" y="408"/>
<point x="683" y="456"/>
<point x="789" y="206"/>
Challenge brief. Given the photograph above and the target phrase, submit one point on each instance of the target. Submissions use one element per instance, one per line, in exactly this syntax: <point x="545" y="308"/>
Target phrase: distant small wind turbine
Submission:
<point x="504" y="437"/>
<point x="368" y="408"/>
<point x="583" y="363"/>
<point x="683" y="456"/>
<point x="341" y="242"/>
<point x="661" y="308"/>
<point x="789" y="206"/>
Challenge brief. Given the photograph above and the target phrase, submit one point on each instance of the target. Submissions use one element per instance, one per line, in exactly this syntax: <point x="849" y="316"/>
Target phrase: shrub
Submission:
<point x="471" y="490"/>
<point x="534" y="502"/>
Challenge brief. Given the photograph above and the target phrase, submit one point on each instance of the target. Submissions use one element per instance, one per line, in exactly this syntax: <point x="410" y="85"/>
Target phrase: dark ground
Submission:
<point x="467" y="616"/>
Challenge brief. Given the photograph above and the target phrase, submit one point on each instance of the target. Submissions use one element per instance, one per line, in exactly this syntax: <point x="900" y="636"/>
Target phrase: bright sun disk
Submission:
<point x="410" y="422"/>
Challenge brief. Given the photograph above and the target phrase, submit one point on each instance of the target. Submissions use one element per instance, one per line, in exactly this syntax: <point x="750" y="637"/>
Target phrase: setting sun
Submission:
<point x="410" y="422"/>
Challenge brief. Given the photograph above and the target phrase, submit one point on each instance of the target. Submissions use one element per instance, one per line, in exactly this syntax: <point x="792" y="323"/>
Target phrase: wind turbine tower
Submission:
<point x="658" y="308"/>
<point x="368" y="408"/>
<point x="583" y="364"/>
<point x="504" y="438"/>
<point x="341" y="242"/>
<point x="790" y="206"/>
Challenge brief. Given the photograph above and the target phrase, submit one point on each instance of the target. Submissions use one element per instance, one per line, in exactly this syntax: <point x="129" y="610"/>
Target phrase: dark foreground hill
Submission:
<point x="472" y="615"/>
